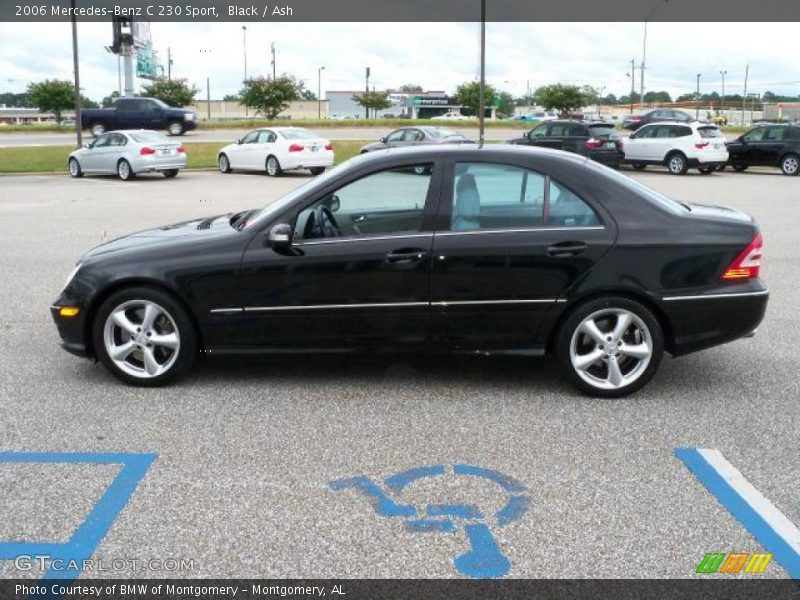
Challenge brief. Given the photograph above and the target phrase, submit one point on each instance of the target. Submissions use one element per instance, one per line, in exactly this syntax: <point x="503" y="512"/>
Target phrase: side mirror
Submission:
<point x="280" y="237"/>
<point x="87" y="146"/>
<point x="239" y="141"/>
<point x="334" y="203"/>
<point x="382" y="140"/>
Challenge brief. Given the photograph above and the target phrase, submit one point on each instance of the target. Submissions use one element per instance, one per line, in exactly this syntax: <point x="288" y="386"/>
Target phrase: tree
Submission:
<point x="88" y="103"/>
<point x="374" y="100"/>
<point x="270" y="96"/>
<point x="505" y="104"/>
<point x="661" y="97"/>
<point x="410" y="88"/>
<point x="563" y="98"/>
<point x="230" y="98"/>
<point x="174" y="92"/>
<point x="109" y="100"/>
<point x="468" y="96"/>
<point x="609" y="99"/>
<point x="52" y="95"/>
<point x="307" y="95"/>
<point x="15" y="100"/>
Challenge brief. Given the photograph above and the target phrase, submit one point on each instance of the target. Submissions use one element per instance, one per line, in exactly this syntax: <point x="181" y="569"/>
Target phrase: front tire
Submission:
<point x="170" y="173"/>
<point x="740" y="168"/>
<point x="75" y="168"/>
<point x="224" y="164"/>
<point x="639" y="166"/>
<point x="317" y="171"/>
<point x="175" y="128"/>
<point x="144" y="337"/>
<point x="124" y="170"/>
<point x="610" y="347"/>
<point x="273" y="167"/>
<point x="706" y="170"/>
<point x="677" y="163"/>
<point x="790" y="165"/>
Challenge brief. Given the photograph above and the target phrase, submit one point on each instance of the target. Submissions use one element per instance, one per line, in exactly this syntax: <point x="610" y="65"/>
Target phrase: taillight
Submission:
<point x="747" y="264"/>
<point x="594" y="144"/>
<point x="328" y="146"/>
<point x="636" y="118"/>
<point x="296" y="148"/>
<point x="146" y="151"/>
<point x="700" y="145"/>
<point x="181" y="149"/>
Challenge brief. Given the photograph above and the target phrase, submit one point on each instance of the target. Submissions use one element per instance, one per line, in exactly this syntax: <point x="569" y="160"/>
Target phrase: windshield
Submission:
<point x="161" y="103"/>
<point x="297" y="134"/>
<point x="148" y="137"/>
<point x="649" y="194"/>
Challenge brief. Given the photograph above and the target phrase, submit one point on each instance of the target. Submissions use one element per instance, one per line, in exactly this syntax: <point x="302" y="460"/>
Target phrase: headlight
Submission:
<point x="188" y="116"/>
<point x="72" y="275"/>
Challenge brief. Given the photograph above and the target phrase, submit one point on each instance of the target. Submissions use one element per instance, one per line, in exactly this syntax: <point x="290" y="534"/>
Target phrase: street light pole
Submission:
<point x="482" y="94"/>
<point x="366" y="89"/>
<point x="633" y="81"/>
<point x="697" y="100"/>
<point x="722" y="99"/>
<point x="78" y="129"/>
<point x="319" y="92"/>
<point x="244" y="48"/>
<point x="644" y="52"/>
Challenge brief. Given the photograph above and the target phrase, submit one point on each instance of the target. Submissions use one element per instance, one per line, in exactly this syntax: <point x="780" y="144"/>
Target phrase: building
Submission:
<point x="782" y="111"/>
<point x="423" y="105"/>
<point x="26" y="116"/>
<point x="222" y="109"/>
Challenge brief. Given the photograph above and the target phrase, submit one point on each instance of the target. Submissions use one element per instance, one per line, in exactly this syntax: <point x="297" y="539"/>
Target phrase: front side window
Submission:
<point x="396" y="136"/>
<point x="102" y="141"/>
<point x="644" y="133"/>
<point x="387" y="202"/>
<point x="539" y="131"/>
<point x="251" y="138"/>
<point x="754" y="135"/>
<point x="266" y="137"/>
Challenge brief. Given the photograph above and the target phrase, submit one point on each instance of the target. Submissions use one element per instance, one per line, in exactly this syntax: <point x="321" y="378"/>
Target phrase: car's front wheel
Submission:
<point x="639" y="166"/>
<point x="610" y="347"/>
<point x="790" y="164"/>
<point x="317" y="171"/>
<point x="740" y="168"/>
<point x="706" y="169"/>
<point x="224" y="164"/>
<point x="97" y="129"/>
<point x="75" y="168"/>
<point x="170" y="173"/>
<point x="144" y="336"/>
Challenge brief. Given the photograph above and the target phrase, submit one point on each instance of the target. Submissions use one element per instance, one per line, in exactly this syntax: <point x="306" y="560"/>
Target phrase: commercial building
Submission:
<point x="423" y="105"/>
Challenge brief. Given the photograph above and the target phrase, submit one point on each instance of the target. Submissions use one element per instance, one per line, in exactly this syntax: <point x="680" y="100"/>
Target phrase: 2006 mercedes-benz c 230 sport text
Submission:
<point x="447" y="248"/>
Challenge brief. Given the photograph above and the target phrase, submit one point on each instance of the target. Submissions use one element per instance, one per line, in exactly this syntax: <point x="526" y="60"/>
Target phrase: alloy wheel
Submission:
<point x="223" y="164"/>
<point x="74" y="168"/>
<point x="790" y="165"/>
<point x="141" y="338"/>
<point x="676" y="164"/>
<point x="611" y="349"/>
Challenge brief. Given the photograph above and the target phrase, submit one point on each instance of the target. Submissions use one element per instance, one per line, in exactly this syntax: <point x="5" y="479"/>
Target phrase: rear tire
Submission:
<point x="74" y="168"/>
<point x="273" y="167"/>
<point x="170" y="173"/>
<point x="125" y="330"/>
<point x="175" y="128"/>
<point x="639" y="166"/>
<point x="124" y="170"/>
<point x="740" y="168"/>
<point x="317" y="171"/>
<point x="623" y="335"/>
<point x="790" y="165"/>
<point x="706" y="170"/>
<point x="677" y="163"/>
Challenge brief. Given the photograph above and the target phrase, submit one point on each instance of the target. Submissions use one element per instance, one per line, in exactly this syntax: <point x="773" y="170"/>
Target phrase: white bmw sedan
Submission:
<point x="276" y="150"/>
<point x="128" y="153"/>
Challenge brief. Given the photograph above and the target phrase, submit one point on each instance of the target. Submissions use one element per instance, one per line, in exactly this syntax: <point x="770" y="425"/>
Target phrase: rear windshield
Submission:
<point x="709" y="132"/>
<point x="603" y="131"/>
<point x="148" y="137"/>
<point x="648" y="194"/>
<point x="297" y="134"/>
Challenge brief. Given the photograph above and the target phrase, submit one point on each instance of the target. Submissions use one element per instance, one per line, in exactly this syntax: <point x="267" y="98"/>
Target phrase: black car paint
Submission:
<point x="136" y="118"/>
<point x="764" y="152"/>
<point x="656" y="115"/>
<point x="640" y="250"/>
<point x="579" y="134"/>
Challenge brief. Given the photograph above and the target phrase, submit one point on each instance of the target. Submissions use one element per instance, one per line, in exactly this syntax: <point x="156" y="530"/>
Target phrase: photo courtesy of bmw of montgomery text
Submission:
<point x="503" y="249"/>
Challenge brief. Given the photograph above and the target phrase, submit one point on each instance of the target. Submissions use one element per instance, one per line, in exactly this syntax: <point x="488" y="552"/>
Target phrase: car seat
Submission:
<point x="468" y="204"/>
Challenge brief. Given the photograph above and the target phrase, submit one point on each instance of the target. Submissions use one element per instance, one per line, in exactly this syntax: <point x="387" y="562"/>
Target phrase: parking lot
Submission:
<point x="254" y="460"/>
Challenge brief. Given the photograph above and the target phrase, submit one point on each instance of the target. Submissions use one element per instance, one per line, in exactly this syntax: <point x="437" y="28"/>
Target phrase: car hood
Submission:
<point x="194" y="230"/>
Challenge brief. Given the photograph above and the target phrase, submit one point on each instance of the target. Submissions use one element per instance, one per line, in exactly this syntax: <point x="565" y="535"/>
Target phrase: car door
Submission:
<point x="240" y="154"/>
<point x="537" y="134"/>
<point x="395" y="138"/>
<point x="663" y="141"/>
<point x="750" y="152"/>
<point x="557" y="135"/>
<point x="638" y="147"/>
<point x="266" y="144"/>
<point x="516" y="241"/>
<point x="98" y="157"/>
<point x="109" y="155"/>
<point x="772" y="146"/>
<point x="369" y="286"/>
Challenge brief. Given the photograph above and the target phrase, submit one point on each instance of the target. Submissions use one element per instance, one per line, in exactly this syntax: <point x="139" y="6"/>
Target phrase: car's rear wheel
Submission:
<point x="175" y="128"/>
<point x="639" y="166"/>
<point x="790" y="164"/>
<point x="273" y="167"/>
<point x="677" y="163"/>
<point x="610" y="347"/>
<point x="224" y="164"/>
<point x="144" y="336"/>
<point x="706" y="169"/>
<point x="170" y="173"/>
<point x="75" y="168"/>
<point x="317" y="170"/>
<point x="124" y="170"/>
<point x="739" y="168"/>
<point x="97" y="129"/>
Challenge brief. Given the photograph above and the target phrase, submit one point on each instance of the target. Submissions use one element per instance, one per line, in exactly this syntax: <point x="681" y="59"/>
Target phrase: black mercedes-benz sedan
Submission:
<point x="498" y="249"/>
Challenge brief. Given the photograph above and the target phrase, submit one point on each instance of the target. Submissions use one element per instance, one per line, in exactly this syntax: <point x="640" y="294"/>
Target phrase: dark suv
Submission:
<point x="633" y="122"/>
<point x="598" y="141"/>
<point x="767" y="146"/>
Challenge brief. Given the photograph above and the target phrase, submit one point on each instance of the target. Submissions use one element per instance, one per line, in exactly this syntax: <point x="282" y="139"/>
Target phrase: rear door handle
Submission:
<point x="566" y="249"/>
<point x="406" y="255"/>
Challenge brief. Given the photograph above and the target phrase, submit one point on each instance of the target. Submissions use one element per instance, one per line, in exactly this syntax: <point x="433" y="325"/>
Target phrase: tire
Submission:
<point x="170" y="173"/>
<point x="722" y="168"/>
<point x="317" y="171"/>
<point x="790" y="165"/>
<point x="224" y="164"/>
<point x="124" y="170"/>
<point x="740" y="168"/>
<point x="74" y="168"/>
<point x="126" y="345"/>
<point x="97" y="129"/>
<point x="677" y="163"/>
<point x="175" y="128"/>
<point x="575" y="346"/>
<point x="639" y="166"/>
<point x="273" y="167"/>
<point x="707" y="170"/>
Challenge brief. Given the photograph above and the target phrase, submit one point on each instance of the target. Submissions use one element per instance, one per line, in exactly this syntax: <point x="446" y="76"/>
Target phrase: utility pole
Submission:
<point x="244" y="48"/>
<point x="744" y="94"/>
<point x="208" y="97"/>
<point x="319" y="92"/>
<point x="633" y="82"/>
<point x="366" y="89"/>
<point x="697" y="99"/>
<point x="169" y="63"/>
<point x="75" y="61"/>
<point x="722" y="99"/>
<point x="481" y="95"/>
<point x="644" y="51"/>
<point x="274" y="70"/>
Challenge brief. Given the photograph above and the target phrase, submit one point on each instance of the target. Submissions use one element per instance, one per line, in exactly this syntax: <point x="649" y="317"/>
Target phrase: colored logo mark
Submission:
<point x="484" y="558"/>
<point x="732" y="563"/>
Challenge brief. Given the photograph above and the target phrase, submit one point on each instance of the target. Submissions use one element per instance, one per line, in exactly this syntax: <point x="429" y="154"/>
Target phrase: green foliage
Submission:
<point x="468" y="96"/>
<point x="52" y="95"/>
<point x="307" y="95"/>
<point x="505" y="104"/>
<point x="15" y="100"/>
<point x="410" y="88"/>
<point x="230" y="98"/>
<point x="373" y="100"/>
<point x="174" y="92"/>
<point x="108" y="101"/>
<point x="269" y="96"/>
<point x="562" y="98"/>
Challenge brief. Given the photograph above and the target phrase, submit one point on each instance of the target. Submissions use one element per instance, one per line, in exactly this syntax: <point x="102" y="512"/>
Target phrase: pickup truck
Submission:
<point x="138" y="113"/>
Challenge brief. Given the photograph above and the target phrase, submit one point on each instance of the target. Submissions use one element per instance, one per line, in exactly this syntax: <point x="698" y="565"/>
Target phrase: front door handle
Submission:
<point x="406" y="255"/>
<point x="566" y="249"/>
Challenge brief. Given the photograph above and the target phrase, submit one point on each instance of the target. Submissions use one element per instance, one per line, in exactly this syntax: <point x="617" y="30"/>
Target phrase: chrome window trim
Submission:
<point x="522" y="230"/>
<point x="363" y="239"/>
<point x="716" y="296"/>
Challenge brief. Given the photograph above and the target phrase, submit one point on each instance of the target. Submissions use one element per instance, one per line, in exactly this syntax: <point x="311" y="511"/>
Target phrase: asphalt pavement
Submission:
<point x="246" y="451"/>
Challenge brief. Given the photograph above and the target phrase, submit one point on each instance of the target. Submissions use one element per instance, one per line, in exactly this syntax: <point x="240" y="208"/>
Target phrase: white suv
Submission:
<point x="678" y="146"/>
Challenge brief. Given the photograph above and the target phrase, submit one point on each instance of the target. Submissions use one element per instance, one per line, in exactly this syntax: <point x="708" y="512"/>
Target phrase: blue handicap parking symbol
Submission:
<point x="83" y="541"/>
<point x="484" y="557"/>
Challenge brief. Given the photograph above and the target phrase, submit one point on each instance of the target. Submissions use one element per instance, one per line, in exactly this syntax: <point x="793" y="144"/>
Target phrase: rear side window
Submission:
<point x="678" y="131"/>
<point x="792" y="133"/>
<point x="775" y="134"/>
<point x="559" y="130"/>
<point x="578" y="130"/>
<point x="566" y="209"/>
<point x="709" y="132"/>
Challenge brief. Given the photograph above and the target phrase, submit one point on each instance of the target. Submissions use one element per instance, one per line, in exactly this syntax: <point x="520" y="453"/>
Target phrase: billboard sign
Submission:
<point x="146" y="66"/>
<point x="141" y="33"/>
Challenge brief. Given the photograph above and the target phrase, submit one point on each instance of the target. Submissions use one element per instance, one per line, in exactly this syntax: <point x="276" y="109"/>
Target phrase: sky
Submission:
<point x="437" y="56"/>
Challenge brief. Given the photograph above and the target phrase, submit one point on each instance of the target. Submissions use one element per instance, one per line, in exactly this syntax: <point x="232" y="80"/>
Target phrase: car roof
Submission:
<point x="488" y="151"/>
<point x="692" y="124"/>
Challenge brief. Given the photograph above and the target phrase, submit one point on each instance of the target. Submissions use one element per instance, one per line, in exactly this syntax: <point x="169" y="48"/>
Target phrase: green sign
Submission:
<point x="146" y="66"/>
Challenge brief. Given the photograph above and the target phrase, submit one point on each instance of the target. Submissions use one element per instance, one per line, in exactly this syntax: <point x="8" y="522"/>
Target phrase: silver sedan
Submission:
<point x="127" y="153"/>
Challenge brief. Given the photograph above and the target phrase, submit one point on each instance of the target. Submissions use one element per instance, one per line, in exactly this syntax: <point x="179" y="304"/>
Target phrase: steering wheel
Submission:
<point x="321" y="223"/>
